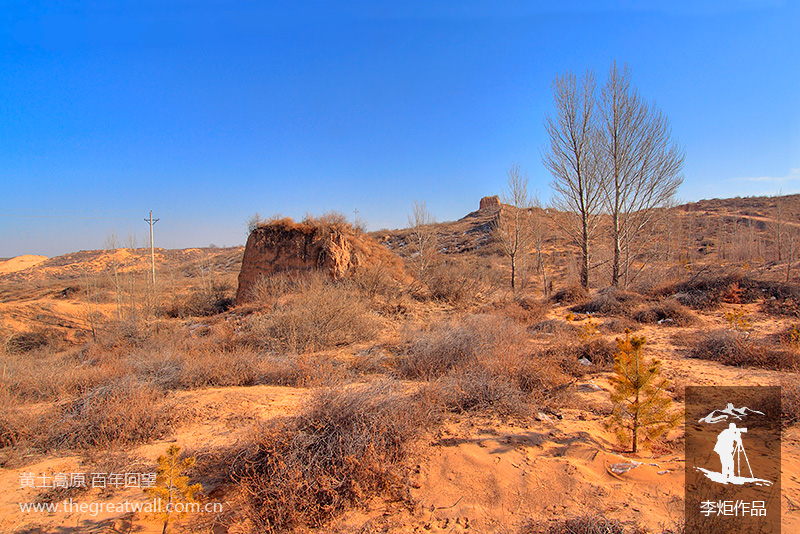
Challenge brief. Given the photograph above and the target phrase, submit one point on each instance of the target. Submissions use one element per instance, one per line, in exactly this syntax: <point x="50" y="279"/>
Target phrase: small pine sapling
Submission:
<point x="642" y="409"/>
<point x="172" y="486"/>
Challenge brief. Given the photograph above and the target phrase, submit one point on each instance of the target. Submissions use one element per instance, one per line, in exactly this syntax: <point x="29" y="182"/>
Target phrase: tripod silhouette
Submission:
<point x="739" y="452"/>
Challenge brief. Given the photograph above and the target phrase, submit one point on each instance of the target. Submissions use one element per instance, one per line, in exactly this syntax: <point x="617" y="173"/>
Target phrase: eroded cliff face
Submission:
<point x="287" y="246"/>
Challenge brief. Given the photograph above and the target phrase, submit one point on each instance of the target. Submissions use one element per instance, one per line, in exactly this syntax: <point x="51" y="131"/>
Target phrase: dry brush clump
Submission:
<point x="126" y="412"/>
<point x="322" y="314"/>
<point x="522" y="309"/>
<point x="585" y="524"/>
<point x="457" y="282"/>
<point x="347" y="445"/>
<point x="739" y="349"/>
<point x="610" y="302"/>
<point x="484" y="363"/>
<point x="790" y="401"/>
<point x="668" y="312"/>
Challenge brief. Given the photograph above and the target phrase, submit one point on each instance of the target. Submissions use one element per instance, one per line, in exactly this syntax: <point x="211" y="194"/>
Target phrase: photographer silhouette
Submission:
<point x="729" y="442"/>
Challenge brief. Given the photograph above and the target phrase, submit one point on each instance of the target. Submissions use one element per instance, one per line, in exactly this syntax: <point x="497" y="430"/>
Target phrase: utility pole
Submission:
<point x="152" y="221"/>
<point x="355" y="218"/>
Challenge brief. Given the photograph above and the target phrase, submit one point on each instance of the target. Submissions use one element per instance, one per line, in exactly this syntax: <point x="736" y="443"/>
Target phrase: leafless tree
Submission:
<point x="423" y="240"/>
<point x="511" y="227"/>
<point x="641" y="166"/>
<point x="537" y="222"/>
<point x="572" y="160"/>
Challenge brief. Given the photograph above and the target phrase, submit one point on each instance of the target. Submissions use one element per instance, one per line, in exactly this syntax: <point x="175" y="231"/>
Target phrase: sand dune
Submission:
<point x="20" y="263"/>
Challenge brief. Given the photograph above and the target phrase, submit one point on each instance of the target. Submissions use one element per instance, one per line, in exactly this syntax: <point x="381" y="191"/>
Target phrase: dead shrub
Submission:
<point x="474" y="387"/>
<point x="569" y="295"/>
<point x="790" y="401"/>
<point x="203" y="302"/>
<point x="618" y="325"/>
<point x="557" y="327"/>
<point x="434" y="352"/>
<point x="668" y="312"/>
<point x="347" y="445"/>
<point x="323" y="314"/>
<point x="708" y="291"/>
<point x="17" y="424"/>
<point x="455" y="282"/>
<point x="599" y="351"/>
<point x="39" y="339"/>
<point x="610" y="301"/>
<point x="586" y="524"/>
<point x="738" y="349"/>
<point x="126" y="412"/>
<point x="524" y="310"/>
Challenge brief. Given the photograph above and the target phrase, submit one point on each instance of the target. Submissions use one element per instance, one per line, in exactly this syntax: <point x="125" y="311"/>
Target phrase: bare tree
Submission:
<point x="572" y="160"/>
<point x="641" y="166"/>
<point x="538" y="232"/>
<point x="422" y="238"/>
<point x="513" y="230"/>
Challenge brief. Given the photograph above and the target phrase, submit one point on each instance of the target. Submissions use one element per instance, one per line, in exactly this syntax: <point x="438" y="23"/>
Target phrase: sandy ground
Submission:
<point x="20" y="263"/>
<point x="477" y="473"/>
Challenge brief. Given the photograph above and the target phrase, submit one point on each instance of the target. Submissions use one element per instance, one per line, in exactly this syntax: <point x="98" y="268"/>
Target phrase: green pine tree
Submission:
<point x="172" y="486"/>
<point x="642" y="409"/>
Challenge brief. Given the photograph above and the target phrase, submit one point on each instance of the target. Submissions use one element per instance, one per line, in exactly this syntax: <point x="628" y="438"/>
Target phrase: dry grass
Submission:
<point x="738" y="349"/>
<point x="569" y="295"/>
<point x="347" y="445"/>
<point x="434" y="352"/>
<point x="523" y="310"/>
<point x="586" y="524"/>
<point x="668" y="312"/>
<point x="322" y="314"/>
<point x="610" y="302"/>
<point x="124" y="413"/>
<point x="483" y="363"/>
<point x="790" y="401"/>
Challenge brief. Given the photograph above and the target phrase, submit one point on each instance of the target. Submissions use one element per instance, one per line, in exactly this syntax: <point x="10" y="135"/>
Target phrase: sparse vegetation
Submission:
<point x="321" y="314"/>
<point x="736" y="348"/>
<point x="347" y="445"/>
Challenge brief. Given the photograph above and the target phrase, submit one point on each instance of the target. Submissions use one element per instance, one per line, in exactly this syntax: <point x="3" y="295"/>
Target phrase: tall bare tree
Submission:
<point x="512" y="228"/>
<point x="537" y="222"/>
<point x="423" y="238"/>
<point x="572" y="160"/>
<point x="641" y="166"/>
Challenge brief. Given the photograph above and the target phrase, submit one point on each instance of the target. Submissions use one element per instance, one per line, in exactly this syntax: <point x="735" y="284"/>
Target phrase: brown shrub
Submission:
<point x="475" y="387"/>
<point x="736" y="348"/>
<point x="610" y="301"/>
<point x="203" y="302"/>
<point x="668" y="312"/>
<point x="569" y="295"/>
<point x="434" y="352"/>
<point x="323" y="314"/>
<point x="524" y="310"/>
<point x="557" y="327"/>
<point x="618" y="325"/>
<point x="455" y="282"/>
<point x="790" y="401"/>
<point x="127" y="412"/>
<point x="600" y="352"/>
<point x="39" y="339"/>
<point x="347" y="445"/>
<point x="586" y="524"/>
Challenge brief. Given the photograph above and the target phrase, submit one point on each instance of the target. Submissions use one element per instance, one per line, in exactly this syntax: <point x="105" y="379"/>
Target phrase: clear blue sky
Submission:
<point x="207" y="112"/>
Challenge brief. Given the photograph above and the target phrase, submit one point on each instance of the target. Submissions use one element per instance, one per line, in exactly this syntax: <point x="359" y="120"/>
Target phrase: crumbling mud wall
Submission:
<point x="332" y="247"/>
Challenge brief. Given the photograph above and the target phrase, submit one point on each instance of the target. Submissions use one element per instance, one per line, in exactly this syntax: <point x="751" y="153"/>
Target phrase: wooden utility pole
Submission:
<point x="152" y="221"/>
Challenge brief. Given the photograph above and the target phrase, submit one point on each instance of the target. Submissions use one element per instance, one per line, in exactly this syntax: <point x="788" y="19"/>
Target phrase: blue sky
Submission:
<point x="207" y="112"/>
